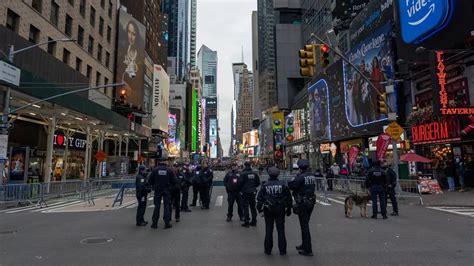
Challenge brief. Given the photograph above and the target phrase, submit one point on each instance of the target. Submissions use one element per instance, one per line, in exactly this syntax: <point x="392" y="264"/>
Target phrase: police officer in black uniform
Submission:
<point x="162" y="179"/>
<point x="188" y="176"/>
<point x="391" y="185"/>
<point x="303" y="187"/>
<point x="176" y="193"/>
<point x="248" y="190"/>
<point x="142" y="189"/>
<point x="195" y="178"/>
<point x="205" y="183"/>
<point x="231" y="183"/>
<point x="274" y="199"/>
<point x="377" y="183"/>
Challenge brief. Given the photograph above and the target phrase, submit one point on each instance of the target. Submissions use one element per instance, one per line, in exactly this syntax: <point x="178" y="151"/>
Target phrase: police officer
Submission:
<point x="205" y="183"/>
<point x="231" y="183"/>
<point x="248" y="190"/>
<point x="391" y="185"/>
<point x="377" y="183"/>
<point x="176" y="193"/>
<point x="162" y="179"/>
<point x="187" y="175"/>
<point x="274" y="200"/>
<point x="195" y="178"/>
<point x="142" y="189"/>
<point x="303" y="187"/>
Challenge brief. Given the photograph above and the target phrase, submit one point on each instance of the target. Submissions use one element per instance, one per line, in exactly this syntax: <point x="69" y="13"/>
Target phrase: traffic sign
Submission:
<point x="100" y="156"/>
<point x="9" y="74"/>
<point x="394" y="130"/>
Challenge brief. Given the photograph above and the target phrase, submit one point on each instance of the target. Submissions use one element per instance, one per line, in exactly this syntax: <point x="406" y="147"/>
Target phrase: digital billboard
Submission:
<point x="131" y="57"/>
<point x="161" y="90"/>
<point x="172" y="143"/>
<point x="213" y="137"/>
<point x="319" y="111"/>
<point x="194" y="111"/>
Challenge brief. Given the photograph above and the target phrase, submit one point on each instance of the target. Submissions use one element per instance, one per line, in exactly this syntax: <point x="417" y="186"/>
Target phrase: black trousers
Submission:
<point x="165" y="195"/>
<point x="304" y="216"/>
<point x="379" y="191"/>
<point x="195" y="193"/>
<point x="184" y="198"/>
<point x="175" y="203"/>
<point x="276" y="217"/>
<point x="142" y="199"/>
<point x="204" y="195"/>
<point x="248" y="202"/>
<point x="234" y="197"/>
<point x="391" y="194"/>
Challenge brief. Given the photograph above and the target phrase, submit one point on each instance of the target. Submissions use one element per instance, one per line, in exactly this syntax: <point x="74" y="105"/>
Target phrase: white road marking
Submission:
<point x="337" y="201"/>
<point x="59" y="206"/>
<point x="465" y="211"/>
<point x="323" y="203"/>
<point x="219" y="201"/>
<point x="27" y="208"/>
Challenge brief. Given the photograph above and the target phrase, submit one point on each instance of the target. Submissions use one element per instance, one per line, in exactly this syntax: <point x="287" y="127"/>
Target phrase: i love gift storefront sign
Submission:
<point x="76" y="141"/>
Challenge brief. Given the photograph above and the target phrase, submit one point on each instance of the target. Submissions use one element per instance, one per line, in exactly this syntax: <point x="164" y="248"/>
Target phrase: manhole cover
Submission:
<point x="8" y="232"/>
<point x="96" y="240"/>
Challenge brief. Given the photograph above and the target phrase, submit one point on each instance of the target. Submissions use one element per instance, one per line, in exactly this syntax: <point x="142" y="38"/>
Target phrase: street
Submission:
<point x="419" y="236"/>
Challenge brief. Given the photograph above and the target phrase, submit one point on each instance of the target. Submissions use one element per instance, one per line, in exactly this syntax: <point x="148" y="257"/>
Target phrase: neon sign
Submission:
<point x="443" y="95"/>
<point x="436" y="132"/>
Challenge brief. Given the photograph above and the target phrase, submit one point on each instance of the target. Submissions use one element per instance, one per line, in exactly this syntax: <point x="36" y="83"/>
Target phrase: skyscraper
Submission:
<point x="193" y="32"/>
<point x="257" y="110"/>
<point x="207" y="63"/>
<point x="244" y="105"/>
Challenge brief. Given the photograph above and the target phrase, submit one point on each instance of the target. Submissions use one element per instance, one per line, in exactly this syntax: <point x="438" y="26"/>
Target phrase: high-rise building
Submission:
<point x="207" y="63"/>
<point x="244" y="106"/>
<point x="266" y="55"/>
<point x="257" y="109"/>
<point x="192" y="59"/>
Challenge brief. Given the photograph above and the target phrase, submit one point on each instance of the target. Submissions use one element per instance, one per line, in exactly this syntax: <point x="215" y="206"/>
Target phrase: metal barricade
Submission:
<point x="108" y="187"/>
<point x="20" y="194"/>
<point x="353" y="185"/>
<point x="410" y="189"/>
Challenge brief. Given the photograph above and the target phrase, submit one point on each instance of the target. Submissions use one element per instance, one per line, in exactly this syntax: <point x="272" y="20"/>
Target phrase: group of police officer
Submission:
<point x="171" y="186"/>
<point x="381" y="181"/>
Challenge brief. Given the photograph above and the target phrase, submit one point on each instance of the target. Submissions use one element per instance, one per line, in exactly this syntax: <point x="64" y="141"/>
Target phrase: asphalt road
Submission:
<point x="419" y="236"/>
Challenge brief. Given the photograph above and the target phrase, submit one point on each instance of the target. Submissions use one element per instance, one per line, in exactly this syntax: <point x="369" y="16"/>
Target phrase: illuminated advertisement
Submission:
<point x="131" y="57"/>
<point x="194" y="111"/>
<point x="161" y="92"/>
<point x="204" y="121"/>
<point x="200" y="141"/>
<point x="278" y="126"/>
<point x="172" y="143"/>
<point x="254" y="138"/>
<point x="319" y="111"/>
<point x="213" y="137"/>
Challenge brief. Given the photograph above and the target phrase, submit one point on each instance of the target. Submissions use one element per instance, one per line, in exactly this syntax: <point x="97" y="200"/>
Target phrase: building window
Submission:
<point x="34" y="34"/>
<point x="78" y="64"/>
<point x="109" y="33"/>
<point x="106" y="81"/>
<point x="51" y="46"/>
<point x="66" y="56"/>
<point x="71" y="2"/>
<point x="101" y="26"/>
<point x="99" y="52"/>
<point x="110" y="8"/>
<point x="54" y="13"/>
<point x="37" y="5"/>
<point x="80" y="35"/>
<point x="13" y="20"/>
<point x="97" y="78"/>
<point x="68" y="27"/>
<point x="107" y="59"/>
<point x="89" y="73"/>
<point x="92" y="17"/>
<point x="102" y="4"/>
<point x="82" y="7"/>
<point x="90" y="45"/>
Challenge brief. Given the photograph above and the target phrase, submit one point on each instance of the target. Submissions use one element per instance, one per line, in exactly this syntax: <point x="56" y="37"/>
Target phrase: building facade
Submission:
<point x="244" y="106"/>
<point x="207" y="63"/>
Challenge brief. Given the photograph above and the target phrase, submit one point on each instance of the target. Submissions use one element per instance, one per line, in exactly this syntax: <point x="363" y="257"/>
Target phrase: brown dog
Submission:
<point x="360" y="201"/>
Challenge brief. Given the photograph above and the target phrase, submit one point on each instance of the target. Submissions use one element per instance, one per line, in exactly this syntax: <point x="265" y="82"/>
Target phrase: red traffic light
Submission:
<point x="324" y="48"/>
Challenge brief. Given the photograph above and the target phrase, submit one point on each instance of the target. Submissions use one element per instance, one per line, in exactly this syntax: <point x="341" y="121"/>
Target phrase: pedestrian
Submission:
<point x="377" y="183"/>
<point x="248" y="192"/>
<point x="461" y="170"/>
<point x="449" y="172"/>
<point x="391" y="185"/>
<point x="274" y="200"/>
<point x="162" y="179"/>
<point x="176" y="193"/>
<point x="231" y="183"/>
<point x="303" y="187"/>
<point x="185" y="171"/>
<point x="204" y="184"/>
<point x="141" y="189"/>
<point x="335" y="170"/>
<point x="196" y="173"/>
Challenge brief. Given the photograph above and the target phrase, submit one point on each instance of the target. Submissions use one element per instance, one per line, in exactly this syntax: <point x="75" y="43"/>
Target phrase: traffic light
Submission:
<point x="382" y="104"/>
<point x="324" y="55"/>
<point x="123" y="95"/>
<point x="307" y="60"/>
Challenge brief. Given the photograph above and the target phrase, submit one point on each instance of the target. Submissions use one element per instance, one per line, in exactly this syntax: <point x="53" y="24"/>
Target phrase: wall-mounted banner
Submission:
<point x="161" y="92"/>
<point x="353" y="153"/>
<point x="420" y="19"/>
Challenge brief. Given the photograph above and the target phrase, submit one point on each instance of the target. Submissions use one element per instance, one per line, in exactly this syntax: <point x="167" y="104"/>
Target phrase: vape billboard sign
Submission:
<point x="420" y="19"/>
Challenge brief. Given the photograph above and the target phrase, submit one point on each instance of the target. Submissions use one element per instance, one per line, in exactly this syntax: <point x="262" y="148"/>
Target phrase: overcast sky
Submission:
<point x="225" y="26"/>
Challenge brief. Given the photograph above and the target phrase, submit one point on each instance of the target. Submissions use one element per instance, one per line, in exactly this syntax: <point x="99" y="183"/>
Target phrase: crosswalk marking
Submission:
<point x="58" y="206"/>
<point x="36" y="207"/>
<point x="31" y="207"/>
<point x="219" y="201"/>
<point x="465" y="211"/>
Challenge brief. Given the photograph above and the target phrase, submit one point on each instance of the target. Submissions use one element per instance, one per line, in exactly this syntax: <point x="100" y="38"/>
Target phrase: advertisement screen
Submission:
<point x="213" y="137"/>
<point x="161" y="92"/>
<point x="194" y="115"/>
<point x="172" y="144"/>
<point x="131" y="57"/>
<point x="319" y="111"/>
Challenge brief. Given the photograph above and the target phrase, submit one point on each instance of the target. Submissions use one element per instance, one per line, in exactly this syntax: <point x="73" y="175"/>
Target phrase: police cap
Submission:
<point x="273" y="172"/>
<point x="247" y="164"/>
<point x="303" y="164"/>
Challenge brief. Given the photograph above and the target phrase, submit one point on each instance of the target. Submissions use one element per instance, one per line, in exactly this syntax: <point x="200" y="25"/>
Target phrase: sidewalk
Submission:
<point x="450" y="198"/>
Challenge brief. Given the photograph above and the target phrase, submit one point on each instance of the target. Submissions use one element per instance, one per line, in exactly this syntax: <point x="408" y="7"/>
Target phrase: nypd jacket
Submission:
<point x="275" y="193"/>
<point x="141" y="184"/>
<point x="303" y="185"/>
<point x="376" y="177"/>
<point x="204" y="176"/>
<point x="232" y="181"/>
<point x="162" y="178"/>
<point x="250" y="181"/>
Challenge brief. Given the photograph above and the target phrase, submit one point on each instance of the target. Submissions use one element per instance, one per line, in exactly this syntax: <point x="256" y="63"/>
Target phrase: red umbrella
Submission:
<point x="413" y="157"/>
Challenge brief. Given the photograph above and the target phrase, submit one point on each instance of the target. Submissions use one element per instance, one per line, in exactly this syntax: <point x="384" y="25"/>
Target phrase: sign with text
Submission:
<point x="437" y="132"/>
<point x="394" y="130"/>
<point x="76" y="141"/>
<point x="10" y="74"/>
<point x="160" y="107"/>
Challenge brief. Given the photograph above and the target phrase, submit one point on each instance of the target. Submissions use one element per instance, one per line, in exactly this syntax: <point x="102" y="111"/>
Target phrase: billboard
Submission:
<point x="131" y="57"/>
<point x="320" y="119"/>
<point x="213" y="137"/>
<point x="172" y="143"/>
<point x="161" y="90"/>
<point x="194" y="114"/>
